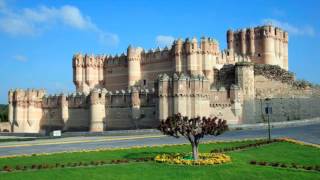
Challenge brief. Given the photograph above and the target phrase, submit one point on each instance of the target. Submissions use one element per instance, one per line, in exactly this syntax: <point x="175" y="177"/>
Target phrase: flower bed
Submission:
<point x="204" y="159"/>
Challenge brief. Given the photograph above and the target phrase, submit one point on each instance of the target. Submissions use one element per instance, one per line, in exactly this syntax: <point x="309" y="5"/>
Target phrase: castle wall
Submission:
<point x="288" y="109"/>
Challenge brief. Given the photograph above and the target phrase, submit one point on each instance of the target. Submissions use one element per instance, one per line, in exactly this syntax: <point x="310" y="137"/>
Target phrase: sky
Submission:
<point x="39" y="38"/>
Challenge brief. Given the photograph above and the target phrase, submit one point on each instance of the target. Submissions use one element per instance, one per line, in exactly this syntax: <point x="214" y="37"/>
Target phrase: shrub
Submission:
<point x="293" y="165"/>
<point x="262" y="163"/>
<point x="275" y="164"/>
<point x="253" y="162"/>
<point x="283" y="165"/>
<point x="18" y="167"/>
<point x="7" y="168"/>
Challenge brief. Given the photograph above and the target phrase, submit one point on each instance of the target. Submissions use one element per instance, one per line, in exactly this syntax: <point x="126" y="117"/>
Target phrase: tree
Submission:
<point x="192" y="129"/>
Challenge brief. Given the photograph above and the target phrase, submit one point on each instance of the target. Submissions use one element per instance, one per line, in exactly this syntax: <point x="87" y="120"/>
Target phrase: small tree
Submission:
<point x="192" y="129"/>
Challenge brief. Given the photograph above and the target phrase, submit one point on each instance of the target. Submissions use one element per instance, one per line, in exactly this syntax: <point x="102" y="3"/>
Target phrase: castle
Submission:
<point x="140" y="88"/>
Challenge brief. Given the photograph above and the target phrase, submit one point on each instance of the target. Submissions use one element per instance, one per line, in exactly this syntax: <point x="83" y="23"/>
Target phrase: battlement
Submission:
<point x="263" y="44"/>
<point x="25" y="98"/>
<point x="266" y="31"/>
<point x="182" y="85"/>
<point x="191" y="46"/>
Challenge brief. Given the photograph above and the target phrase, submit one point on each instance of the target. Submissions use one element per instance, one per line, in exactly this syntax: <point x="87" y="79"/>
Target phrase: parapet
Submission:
<point x="27" y="97"/>
<point x="191" y="46"/>
<point x="266" y="31"/>
<point x="182" y="85"/>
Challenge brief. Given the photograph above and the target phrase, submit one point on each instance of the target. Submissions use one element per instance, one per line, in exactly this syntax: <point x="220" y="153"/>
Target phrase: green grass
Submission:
<point x="239" y="168"/>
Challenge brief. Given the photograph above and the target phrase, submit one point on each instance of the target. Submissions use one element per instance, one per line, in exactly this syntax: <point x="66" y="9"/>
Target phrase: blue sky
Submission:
<point x="39" y="38"/>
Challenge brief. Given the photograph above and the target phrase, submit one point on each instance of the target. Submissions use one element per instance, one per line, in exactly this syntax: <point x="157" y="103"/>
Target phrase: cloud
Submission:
<point x="33" y="21"/>
<point x="163" y="40"/>
<point x="292" y="29"/>
<point x="20" y="58"/>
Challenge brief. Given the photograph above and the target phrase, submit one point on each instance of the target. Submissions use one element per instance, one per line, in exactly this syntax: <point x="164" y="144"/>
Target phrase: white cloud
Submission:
<point x="32" y="21"/>
<point x="292" y="29"/>
<point x="20" y="58"/>
<point x="163" y="40"/>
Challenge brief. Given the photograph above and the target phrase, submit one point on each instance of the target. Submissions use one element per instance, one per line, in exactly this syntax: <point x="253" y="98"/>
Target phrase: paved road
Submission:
<point x="308" y="133"/>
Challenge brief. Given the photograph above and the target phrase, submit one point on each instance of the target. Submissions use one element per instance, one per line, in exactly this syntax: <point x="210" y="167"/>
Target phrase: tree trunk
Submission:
<point x="194" y="151"/>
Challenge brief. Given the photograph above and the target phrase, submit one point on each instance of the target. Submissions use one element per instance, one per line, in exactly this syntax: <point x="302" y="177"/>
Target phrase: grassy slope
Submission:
<point x="237" y="169"/>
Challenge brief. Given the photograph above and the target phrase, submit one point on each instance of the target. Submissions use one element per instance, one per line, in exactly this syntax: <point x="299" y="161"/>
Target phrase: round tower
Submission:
<point x="91" y="72"/>
<point x="243" y="41"/>
<point x="191" y="48"/>
<point x="10" y="106"/>
<point x="134" y="70"/>
<point x="268" y="45"/>
<point x="97" y="110"/>
<point x="251" y="42"/>
<point x="208" y="48"/>
<point x="77" y="61"/>
<point x="177" y="48"/>
<point x="230" y="39"/>
<point x="285" y="50"/>
<point x="64" y="109"/>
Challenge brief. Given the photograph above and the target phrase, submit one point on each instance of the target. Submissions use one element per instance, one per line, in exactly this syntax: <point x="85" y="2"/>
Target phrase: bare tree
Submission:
<point x="192" y="129"/>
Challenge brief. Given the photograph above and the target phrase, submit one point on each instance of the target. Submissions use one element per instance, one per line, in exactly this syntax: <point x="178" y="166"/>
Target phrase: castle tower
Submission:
<point x="268" y="54"/>
<point x="180" y="94"/>
<point x="230" y="40"/>
<point x="64" y="109"/>
<point x="191" y="48"/>
<point x="78" y="72"/>
<point x="134" y="69"/>
<point x="207" y="55"/>
<point x="245" y="80"/>
<point x="251" y="42"/>
<point x="10" y="107"/>
<point x="25" y="110"/>
<point x="135" y="104"/>
<point x="97" y="110"/>
<point x="164" y="100"/>
<point x="285" y="50"/>
<point x="178" y="56"/>
<point x="91" y="73"/>
<point x="243" y="40"/>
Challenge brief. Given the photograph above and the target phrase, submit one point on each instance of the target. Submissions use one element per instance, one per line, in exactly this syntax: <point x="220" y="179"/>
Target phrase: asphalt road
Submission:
<point x="308" y="133"/>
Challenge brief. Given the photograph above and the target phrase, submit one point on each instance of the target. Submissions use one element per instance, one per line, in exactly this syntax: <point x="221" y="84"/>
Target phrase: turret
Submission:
<point x="134" y="70"/>
<point x="97" y="110"/>
<point x="191" y="48"/>
<point x="25" y="109"/>
<point x="164" y="100"/>
<point x="10" y="107"/>
<point x="135" y="104"/>
<point x="251" y="42"/>
<point x="64" y="109"/>
<point x="91" y="72"/>
<point x="177" y="48"/>
<point x="230" y="39"/>
<point x="78" y="69"/>
<point x="268" y="54"/>
<point x="243" y="42"/>
<point x="285" y="50"/>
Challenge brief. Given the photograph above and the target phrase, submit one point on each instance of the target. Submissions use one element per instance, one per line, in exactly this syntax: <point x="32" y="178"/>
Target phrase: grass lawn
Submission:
<point x="239" y="168"/>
